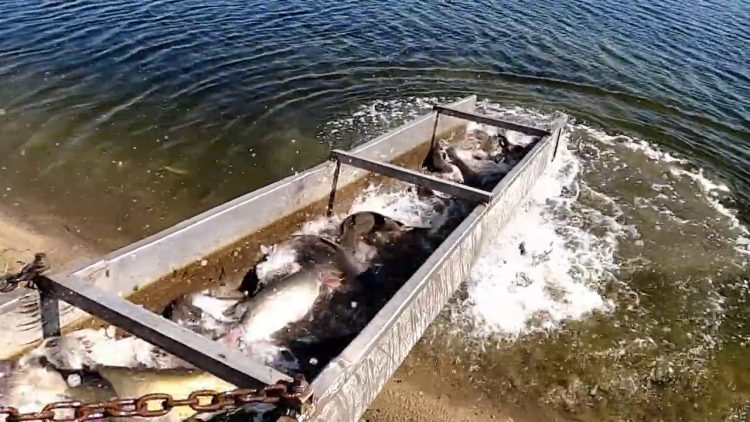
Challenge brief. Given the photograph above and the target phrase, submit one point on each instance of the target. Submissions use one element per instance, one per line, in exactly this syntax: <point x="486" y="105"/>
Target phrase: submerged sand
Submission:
<point x="425" y="390"/>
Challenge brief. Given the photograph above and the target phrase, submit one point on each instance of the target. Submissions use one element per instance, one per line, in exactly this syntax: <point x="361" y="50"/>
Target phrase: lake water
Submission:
<point x="125" y="117"/>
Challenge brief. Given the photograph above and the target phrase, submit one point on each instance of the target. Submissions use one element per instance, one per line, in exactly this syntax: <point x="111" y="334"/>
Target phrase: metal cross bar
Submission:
<point x="413" y="177"/>
<point x="221" y="361"/>
<point x="528" y="130"/>
<point x="49" y="309"/>
<point x="334" y="185"/>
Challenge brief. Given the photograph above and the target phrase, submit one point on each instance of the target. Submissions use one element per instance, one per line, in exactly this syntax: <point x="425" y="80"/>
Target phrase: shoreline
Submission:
<point x="23" y="236"/>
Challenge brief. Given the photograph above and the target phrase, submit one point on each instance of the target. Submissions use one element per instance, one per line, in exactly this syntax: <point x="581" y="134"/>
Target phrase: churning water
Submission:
<point x="619" y="291"/>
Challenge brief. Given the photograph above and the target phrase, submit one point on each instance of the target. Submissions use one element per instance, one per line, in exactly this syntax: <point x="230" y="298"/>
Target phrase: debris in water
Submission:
<point x="175" y="170"/>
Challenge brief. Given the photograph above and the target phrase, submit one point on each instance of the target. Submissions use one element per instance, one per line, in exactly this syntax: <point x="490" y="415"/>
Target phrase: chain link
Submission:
<point x="153" y="405"/>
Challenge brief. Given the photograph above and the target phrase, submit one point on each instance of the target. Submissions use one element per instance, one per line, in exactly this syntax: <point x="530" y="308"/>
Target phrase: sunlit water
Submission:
<point x="631" y="300"/>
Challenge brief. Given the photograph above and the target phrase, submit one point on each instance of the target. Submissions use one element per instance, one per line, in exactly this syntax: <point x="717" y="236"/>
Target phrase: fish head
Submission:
<point x="358" y="223"/>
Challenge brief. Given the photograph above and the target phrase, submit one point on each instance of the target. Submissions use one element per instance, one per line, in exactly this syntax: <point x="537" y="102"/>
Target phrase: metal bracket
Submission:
<point x="528" y="130"/>
<point x="332" y="195"/>
<point x="428" y="162"/>
<point x="413" y="177"/>
<point x="221" y="361"/>
<point x="49" y="308"/>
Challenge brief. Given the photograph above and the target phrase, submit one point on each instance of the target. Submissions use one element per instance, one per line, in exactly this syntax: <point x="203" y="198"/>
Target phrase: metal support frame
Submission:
<point x="558" y="128"/>
<point x="219" y="360"/>
<point x="49" y="308"/>
<point x="528" y="130"/>
<point x="413" y="177"/>
<point x="332" y="196"/>
<point x="428" y="161"/>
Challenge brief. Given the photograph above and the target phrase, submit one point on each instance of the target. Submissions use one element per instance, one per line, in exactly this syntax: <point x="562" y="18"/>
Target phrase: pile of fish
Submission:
<point x="298" y="307"/>
<point x="482" y="159"/>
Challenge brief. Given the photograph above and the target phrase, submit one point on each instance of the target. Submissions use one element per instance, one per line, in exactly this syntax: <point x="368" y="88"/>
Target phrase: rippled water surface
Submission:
<point x="124" y="117"/>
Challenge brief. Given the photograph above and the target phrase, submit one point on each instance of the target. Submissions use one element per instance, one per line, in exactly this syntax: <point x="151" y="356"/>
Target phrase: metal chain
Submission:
<point x="32" y="270"/>
<point x="289" y="394"/>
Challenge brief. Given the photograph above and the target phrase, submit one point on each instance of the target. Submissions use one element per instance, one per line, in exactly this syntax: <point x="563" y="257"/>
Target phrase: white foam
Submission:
<point x="711" y="189"/>
<point x="374" y="117"/>
<point x="516" y="138"/>
<point x="648" y="149"/>
<point x="280" y="260"/>
<point x="403" y="205"/>
<point x="511" y="293"/>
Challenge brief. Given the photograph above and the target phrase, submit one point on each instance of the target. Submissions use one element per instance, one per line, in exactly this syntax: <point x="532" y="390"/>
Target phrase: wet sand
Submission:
<point x="424" y="389"/>
<point x="405" y="399"/>
<point x="22" y="236"/>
